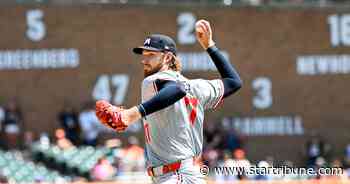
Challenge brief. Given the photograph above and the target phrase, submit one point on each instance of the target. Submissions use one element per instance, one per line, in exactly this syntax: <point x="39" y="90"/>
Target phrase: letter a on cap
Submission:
<point x="147" y="41"/>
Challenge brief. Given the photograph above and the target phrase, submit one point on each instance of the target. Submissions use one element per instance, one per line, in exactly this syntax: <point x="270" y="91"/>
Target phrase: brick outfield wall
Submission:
<point x="260" y="43"/>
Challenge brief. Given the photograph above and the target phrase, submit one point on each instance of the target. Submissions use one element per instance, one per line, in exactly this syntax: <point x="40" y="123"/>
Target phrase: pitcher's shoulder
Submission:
<point x="164" y="75"/>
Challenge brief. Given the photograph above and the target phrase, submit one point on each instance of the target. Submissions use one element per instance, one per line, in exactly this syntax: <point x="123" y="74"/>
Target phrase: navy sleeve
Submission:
<point x="169" y="92"/>
<point x="230" y="78"/>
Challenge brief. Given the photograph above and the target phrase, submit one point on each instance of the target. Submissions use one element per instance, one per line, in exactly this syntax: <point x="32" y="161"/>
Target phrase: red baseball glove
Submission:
<point x="110" y="116"/>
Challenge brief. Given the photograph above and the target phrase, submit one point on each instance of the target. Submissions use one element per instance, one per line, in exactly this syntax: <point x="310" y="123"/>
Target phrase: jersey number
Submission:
<point x="192" y="103"/>
<point x="147" y="135"/>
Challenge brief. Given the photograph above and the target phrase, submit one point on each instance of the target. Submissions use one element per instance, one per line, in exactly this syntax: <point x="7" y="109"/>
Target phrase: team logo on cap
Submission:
<point x="147" y="41"/>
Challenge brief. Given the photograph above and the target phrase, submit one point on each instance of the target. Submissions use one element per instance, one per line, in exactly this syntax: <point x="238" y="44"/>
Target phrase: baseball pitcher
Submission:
<point x="173" y="106"/>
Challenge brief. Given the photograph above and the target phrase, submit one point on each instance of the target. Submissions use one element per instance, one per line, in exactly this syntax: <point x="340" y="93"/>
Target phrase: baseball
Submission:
<point x="199" y="27"/>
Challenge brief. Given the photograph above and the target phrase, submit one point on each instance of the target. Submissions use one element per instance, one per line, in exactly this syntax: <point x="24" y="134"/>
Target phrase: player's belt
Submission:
<point x="163" y="169"/>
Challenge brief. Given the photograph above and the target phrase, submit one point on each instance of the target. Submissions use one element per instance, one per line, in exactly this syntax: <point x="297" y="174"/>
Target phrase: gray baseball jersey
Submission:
<point x="176" y="132"/>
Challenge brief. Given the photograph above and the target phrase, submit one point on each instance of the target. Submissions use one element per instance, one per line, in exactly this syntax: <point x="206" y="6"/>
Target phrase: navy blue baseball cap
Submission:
<point x="157" y="42"/>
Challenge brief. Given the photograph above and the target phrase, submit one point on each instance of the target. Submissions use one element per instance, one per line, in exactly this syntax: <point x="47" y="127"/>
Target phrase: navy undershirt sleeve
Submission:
<point x="230" y="78"/>
<point x="169" y="92"/>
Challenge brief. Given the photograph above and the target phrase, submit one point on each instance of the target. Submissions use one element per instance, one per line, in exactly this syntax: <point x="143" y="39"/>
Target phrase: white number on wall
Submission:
<point x="120" y="82"/>
<point x="339" y="29"/>
<point x="36" y="30"/>
<point x="104" y="91"/>
<point x="185" y="34"/>
<point x="263" y="98"/>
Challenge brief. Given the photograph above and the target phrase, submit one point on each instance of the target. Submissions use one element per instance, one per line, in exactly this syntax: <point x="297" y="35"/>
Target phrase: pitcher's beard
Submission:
<point x="152" y="71"/>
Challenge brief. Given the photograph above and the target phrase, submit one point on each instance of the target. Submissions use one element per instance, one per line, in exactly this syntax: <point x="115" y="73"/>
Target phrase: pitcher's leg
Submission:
<point x="170" y="178"/>
<point x="190" y="174"/>
<point x="179" y="178"/>
<point x="193" y="178"/>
